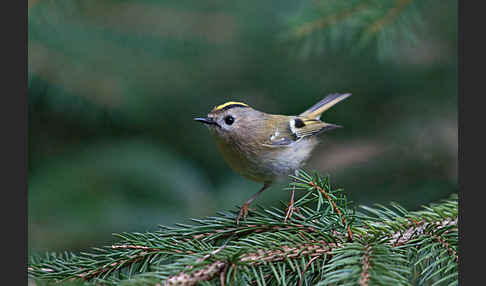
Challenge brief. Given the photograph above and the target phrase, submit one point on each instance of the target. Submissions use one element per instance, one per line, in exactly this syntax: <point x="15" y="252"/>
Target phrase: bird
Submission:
<point x="264" y="147"/>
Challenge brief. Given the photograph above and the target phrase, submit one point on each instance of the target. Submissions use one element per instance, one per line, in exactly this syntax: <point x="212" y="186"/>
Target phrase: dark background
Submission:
<point x="113" y="87"/>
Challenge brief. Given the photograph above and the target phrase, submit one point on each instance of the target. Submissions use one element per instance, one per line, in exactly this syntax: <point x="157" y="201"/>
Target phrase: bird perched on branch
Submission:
<point x="263" y="147"/>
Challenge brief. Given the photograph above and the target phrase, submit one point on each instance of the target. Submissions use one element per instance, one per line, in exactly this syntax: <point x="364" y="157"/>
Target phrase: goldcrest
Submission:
<point x="263" y="147"/>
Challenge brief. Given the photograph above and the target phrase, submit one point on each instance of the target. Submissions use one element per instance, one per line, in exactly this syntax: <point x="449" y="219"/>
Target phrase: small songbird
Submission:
<point x="263" y="147"/>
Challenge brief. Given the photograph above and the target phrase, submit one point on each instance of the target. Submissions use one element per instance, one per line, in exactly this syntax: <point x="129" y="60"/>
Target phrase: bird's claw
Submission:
<point x="290" y="211"/>
<point x="243" y="213"/>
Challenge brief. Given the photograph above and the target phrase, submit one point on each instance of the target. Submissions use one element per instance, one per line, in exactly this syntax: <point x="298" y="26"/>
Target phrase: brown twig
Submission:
<point x="377" y="25"/>
<point x="334" y="206"/>
<point x="131" y="246"/>
<point x="446" y="245"/>
<point x="133" y="259"/>
<point x="256" y="229"/>
<point x="322" y="23"/>
<point x="417" y="228"/>
<point x="314" y="249"/>
<point x="203" y="274"/>
<point x="365" y="275"/>
<point x="307" y="266"/>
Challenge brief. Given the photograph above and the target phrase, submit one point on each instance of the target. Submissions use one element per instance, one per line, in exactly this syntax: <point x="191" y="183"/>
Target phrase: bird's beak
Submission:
<point x="329" y="127"/>
<point x="206" y="120"/>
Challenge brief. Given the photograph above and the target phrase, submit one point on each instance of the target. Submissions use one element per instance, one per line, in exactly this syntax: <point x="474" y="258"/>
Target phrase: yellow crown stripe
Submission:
<point x="219" y="107"/>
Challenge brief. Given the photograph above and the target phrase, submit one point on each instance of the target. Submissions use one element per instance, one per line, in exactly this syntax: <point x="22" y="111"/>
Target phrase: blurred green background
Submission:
<point x="114" y="87"/>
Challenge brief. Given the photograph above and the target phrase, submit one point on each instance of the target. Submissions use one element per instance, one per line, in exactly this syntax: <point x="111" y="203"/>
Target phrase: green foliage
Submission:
<point x="326" y="242"/>
<point x="331" y="26"/>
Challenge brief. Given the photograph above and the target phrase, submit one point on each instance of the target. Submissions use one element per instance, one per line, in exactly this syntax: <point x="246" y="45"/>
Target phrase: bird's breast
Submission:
<point x="263" y="164"/>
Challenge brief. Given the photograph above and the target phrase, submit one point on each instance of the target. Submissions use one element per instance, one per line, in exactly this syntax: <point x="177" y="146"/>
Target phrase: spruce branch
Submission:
<point x="328" y="25"/>
<point x="327" y="242"/>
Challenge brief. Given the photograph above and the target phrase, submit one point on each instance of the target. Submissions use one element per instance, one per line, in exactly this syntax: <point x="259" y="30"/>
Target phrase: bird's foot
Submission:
<point x="243" y="213"/>
<point x="290" y="211"/>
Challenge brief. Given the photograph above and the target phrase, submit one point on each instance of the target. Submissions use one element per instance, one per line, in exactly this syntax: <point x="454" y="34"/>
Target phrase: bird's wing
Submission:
<point x="296" y="129"/>
<point x="281" y="135"/>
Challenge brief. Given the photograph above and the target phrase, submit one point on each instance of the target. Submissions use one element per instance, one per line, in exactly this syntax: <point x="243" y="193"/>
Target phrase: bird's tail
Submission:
<point x="327" y="102"/>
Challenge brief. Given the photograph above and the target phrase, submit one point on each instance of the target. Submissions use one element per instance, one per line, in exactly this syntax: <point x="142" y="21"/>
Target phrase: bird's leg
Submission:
<point x="290" y="207"/>
<point x="244" y="208"/>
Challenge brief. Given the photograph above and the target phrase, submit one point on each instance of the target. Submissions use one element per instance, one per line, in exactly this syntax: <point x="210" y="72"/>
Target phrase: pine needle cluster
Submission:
<point x="326" y="242"/>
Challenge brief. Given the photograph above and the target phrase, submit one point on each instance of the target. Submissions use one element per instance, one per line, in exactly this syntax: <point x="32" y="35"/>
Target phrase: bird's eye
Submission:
<point x="229" y="119"/>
